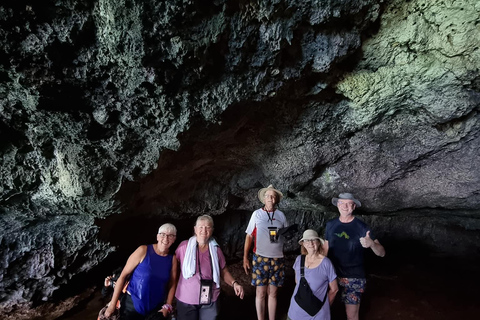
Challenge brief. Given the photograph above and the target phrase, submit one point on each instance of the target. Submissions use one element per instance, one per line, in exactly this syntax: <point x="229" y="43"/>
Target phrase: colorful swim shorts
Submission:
<point x="268" y="271"/>
<point x="352" y="289"/>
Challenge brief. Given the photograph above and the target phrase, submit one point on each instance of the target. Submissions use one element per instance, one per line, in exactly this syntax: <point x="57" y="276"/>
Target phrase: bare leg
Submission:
<point x="261" y="292"/>
<point x="352" y="311"/>
<point x="272" y="302"/>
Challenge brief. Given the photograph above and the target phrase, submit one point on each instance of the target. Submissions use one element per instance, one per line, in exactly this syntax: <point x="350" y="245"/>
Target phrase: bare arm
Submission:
<point x="172" y="285"/>
<point x="325" y="248"/>
<point x="228" y="278"/>
<point x="378" y="249"/>
<point x="133" y="261"/>
<point x="246" y="251"/>
<point x="375" y="245"/>
<point x="333" y="291"/>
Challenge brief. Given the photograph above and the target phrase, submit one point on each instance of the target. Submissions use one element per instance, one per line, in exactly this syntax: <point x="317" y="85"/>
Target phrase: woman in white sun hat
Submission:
<point x="320" y="275"/>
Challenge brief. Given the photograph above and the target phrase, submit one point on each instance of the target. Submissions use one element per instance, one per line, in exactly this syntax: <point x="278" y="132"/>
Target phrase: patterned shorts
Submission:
<point x="352" y="289"/>
<point x="268" y="271"/>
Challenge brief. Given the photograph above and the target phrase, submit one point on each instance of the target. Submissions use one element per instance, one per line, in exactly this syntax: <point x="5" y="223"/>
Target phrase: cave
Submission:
<point x="118" y="116"/>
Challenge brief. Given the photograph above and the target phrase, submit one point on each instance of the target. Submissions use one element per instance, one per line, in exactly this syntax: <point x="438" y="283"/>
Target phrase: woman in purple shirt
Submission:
<point x="320" y="275"/>
<point x="202" y="265"/>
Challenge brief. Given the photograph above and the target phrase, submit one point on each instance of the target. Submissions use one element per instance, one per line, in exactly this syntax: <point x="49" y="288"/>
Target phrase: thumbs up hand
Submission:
<point x="366" y="241"/>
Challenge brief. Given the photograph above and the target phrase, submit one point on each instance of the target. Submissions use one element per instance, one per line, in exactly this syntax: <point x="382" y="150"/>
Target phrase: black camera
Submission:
<point x="273" y="233"/>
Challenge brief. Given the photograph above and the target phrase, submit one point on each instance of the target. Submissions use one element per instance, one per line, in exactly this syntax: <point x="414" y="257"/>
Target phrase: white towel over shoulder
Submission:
<point x="189" y="262"/>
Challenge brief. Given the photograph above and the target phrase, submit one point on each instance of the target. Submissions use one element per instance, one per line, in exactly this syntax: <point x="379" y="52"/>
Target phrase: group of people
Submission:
<point x="326" y="266"/>
<point x="155" y="277"/>
<point x="192" y="275"/>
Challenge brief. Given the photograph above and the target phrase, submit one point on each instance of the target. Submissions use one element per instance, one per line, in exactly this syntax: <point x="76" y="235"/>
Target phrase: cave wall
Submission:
<point x="117" y="110"/>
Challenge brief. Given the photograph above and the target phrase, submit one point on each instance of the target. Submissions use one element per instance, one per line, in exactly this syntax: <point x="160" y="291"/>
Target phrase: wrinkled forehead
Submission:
<point x="270" y="193"/>
<point x="346" y="201"/>
<point x="204" y="223"/>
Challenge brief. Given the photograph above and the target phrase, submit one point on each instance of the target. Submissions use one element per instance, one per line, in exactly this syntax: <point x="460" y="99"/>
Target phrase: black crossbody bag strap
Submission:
<point x="302" y="275"/>
<point x="302" y="266"/>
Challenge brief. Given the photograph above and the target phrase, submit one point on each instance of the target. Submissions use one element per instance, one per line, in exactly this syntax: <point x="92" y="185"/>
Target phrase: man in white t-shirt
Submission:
<point x="268" y="263"/>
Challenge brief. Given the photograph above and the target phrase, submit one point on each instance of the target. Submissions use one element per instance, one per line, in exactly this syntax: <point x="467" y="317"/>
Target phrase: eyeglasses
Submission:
<point x="169" y="236"/>
<point x="310" y="240"/>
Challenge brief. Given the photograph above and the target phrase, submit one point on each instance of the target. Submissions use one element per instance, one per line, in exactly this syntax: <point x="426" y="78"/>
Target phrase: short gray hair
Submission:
<point x="167" y="227"/>
<point x="205" y="217"/>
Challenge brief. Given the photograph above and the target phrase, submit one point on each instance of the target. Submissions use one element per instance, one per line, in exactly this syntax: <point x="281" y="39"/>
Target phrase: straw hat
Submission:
<point x="261" y="193"/>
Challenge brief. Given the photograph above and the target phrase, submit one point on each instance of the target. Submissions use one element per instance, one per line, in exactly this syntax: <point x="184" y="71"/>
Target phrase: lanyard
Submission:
<point x="272" y="217"/>
<point x="198" y="261"/>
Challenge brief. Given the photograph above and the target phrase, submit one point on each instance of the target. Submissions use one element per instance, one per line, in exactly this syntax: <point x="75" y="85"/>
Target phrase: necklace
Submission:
<point x="311" y="261"/>
<point x="307" y="262"/>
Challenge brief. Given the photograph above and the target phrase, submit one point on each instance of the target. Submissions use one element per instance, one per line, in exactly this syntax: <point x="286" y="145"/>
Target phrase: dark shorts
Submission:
<point x="128" y="312"/>
<point x="187" y="311"/>
<point x="351" y="289"/>
<point x="268" y="271"/>
<point x="127" y="309"/>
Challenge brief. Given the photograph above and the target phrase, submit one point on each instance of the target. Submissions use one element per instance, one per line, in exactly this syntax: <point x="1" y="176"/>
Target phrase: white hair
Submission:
<point x="205" y="217"/>
<point x="167" y="227"/>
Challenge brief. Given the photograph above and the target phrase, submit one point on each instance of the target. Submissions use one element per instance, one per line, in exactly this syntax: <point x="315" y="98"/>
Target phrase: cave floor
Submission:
<point x="414" y="288"/>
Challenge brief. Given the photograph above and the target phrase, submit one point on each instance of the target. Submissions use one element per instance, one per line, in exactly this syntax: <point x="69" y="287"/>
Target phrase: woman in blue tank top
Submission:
<point x="152" y="272"/>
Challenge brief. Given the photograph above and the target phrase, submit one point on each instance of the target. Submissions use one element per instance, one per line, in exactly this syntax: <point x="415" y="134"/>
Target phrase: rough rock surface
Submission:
<point x="120" y="111"/>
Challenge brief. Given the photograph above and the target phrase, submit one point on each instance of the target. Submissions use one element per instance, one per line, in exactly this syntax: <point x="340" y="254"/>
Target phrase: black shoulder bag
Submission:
<point x="305" y="297"/>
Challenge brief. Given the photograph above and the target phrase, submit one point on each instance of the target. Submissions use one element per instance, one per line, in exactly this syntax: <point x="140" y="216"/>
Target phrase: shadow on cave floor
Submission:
<point x="398" y="288"/>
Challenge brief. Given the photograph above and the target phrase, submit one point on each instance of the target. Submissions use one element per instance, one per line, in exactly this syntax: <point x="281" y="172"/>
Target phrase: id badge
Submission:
<point x="206" y="291"/>
<point x="273" y="233"/>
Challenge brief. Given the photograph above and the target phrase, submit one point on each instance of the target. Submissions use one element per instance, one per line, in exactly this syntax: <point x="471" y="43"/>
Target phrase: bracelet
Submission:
<point x="233" y="283"/>
<point x="168" y="307"/>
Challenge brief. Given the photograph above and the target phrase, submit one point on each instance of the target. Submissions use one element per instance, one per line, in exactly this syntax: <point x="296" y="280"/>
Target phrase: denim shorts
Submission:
<point x="268" y="271"/>
<point x="352" y="289"/>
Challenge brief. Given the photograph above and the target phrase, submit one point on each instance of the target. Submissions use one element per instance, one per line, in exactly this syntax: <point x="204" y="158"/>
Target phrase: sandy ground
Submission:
<point x="408" y="288"/>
